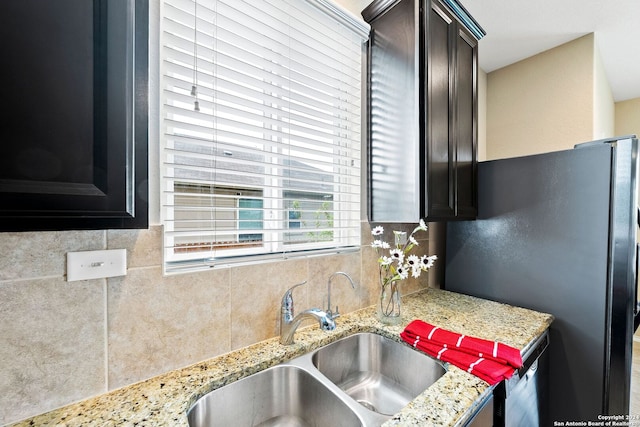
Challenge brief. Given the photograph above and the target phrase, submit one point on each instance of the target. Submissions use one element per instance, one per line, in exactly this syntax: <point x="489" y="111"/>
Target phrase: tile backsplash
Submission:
<point x="67" y="341"/>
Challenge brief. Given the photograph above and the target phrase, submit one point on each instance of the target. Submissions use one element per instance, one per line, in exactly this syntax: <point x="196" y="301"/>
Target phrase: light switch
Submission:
<point x="96" y="264"/>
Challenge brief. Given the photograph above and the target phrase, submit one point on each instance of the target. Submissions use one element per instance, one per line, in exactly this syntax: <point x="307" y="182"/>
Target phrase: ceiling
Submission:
<point x="517" y="29"/>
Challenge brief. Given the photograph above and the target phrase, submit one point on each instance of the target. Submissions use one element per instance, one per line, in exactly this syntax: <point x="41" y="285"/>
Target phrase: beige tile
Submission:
<point x="39" y="254"/>
<point x="158" y="323"/>
<point x="365" y="232"/>
<point x="342" y="294"/>
<point x="437" y="246"/>
<point x="256" y="293"/>
<point x="52" y="350"/>
<point x="144" y="247"/>
<point x="369" y="279"/>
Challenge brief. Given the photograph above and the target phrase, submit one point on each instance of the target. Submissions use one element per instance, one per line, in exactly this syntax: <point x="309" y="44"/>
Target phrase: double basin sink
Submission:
<point x="360" y="380"/>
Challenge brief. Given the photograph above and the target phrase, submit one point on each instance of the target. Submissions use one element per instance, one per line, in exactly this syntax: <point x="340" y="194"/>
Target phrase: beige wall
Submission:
<point x="603" y="104"/>
<point x="482" y="115"/>
<point x="543" y="103"/>
<point x="550" y="102"/>
<point x="627" y="120"/>
<point x="354" y="6"/>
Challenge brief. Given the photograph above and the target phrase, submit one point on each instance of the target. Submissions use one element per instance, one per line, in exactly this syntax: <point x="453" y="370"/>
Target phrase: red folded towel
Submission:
<point x="467" y="353"/>
<point x="492" y="350"/>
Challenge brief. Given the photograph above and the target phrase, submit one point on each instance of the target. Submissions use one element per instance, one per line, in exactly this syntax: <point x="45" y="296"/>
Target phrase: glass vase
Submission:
<point x="390" y="304"/>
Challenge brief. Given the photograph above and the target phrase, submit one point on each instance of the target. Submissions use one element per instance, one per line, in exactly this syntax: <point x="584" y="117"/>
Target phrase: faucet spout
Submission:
<point x="289" y="323"/>
<point x="353" y="285"/>
<point x="288" y="330"/>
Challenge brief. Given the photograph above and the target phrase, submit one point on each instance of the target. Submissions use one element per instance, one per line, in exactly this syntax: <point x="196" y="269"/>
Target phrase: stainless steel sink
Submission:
<point x="283" y="395"/>
<point x="360" y="380"/>
<point x="379" y="373"/>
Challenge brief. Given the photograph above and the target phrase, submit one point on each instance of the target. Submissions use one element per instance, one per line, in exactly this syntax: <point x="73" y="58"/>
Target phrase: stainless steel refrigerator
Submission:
<point x="557" y="233"/>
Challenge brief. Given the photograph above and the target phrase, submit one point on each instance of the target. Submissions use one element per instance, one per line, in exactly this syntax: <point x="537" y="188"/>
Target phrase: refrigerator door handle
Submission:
<point x="636" y="308"/>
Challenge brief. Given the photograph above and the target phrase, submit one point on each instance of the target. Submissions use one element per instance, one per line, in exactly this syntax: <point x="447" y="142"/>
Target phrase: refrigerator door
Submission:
<point x="621" y="305"/>
<point x="541" y="241"/>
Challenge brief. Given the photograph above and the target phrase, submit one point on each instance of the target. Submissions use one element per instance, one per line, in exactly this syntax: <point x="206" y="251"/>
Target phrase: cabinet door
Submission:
<point x="466" y="122"/>
<point x="440" y="149"/>
<point x="394" y="164"/>
<point x="74" y="127"/>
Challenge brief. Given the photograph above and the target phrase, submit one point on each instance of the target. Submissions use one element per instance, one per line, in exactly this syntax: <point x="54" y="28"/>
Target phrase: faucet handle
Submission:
<point x="335" y="314"/>
<point x="287" y="294"/>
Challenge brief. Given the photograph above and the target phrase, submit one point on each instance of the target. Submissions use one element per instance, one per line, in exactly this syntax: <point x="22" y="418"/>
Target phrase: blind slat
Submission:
<point x="201" y="148"/>
<point x="261" y="123"/>
<point x="239" y="21"/>
<point x="180" y="87"/>
<point x="297" y="85"/>
<point x="261" y="129"/>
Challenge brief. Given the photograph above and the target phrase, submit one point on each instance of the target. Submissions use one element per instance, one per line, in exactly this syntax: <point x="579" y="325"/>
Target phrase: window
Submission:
<point x="261" y="128"/>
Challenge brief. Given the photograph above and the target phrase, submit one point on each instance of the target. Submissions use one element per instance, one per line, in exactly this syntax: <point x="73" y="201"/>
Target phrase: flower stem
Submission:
<point x="389" y="304"/>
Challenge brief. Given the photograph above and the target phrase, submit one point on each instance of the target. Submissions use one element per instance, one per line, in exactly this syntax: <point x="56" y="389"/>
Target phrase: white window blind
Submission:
<point x="261" y="128"/>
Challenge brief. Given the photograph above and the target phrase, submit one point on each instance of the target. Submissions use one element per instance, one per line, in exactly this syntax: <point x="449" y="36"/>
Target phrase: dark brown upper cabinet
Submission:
<point x="74" y="123"/>
<point x="422" y="110"/>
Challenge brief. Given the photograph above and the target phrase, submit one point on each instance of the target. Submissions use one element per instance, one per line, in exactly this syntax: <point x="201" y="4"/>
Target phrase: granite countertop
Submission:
<point x="164" y="400"/>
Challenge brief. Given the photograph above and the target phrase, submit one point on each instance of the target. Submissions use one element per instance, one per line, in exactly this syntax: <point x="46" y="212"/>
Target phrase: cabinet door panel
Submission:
<point x="440" y="150"/>
<point x="466" y="112"/>
<point x="74" y="130"/>
<point x="394" y="169"/>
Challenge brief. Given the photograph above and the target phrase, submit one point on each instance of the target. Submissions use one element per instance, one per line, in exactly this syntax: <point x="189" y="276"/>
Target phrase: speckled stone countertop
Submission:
<point x="165" y="399"/>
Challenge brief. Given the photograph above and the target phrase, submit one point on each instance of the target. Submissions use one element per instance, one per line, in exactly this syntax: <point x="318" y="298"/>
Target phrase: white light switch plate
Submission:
<point x="96" y="264"/>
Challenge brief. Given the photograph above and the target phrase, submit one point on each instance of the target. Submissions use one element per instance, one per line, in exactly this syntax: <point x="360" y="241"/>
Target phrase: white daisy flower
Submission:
<point x="422" y="226"/>
<point x="385" y="260"/>
<point x="378" y="244"/>
<point x="413" y="261"/>
<point x="397" y="255"/>
<point x="377" y="231"/>
<point x="413" y="240"/>
<point x="427" y="261"/>
<point x="402" y="272"/>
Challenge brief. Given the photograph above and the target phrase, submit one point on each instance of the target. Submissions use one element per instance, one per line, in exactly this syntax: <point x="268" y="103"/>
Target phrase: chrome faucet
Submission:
<point x="337" y="313"/>
<point x="289" y="323"/>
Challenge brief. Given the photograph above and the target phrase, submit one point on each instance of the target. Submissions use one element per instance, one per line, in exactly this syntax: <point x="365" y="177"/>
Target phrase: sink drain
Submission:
<point x="367" y="405"/>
